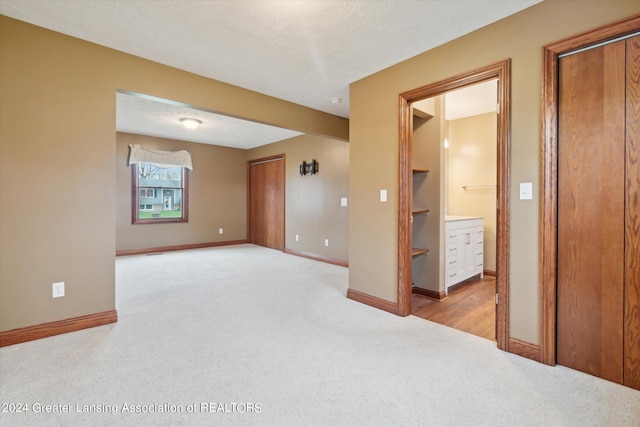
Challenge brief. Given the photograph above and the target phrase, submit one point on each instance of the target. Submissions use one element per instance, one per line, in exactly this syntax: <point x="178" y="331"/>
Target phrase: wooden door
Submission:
<point x="632" y="218"/>
<point x="591" y="210"/>
<point x="591" y="97"/>
<point x="266" y="200"/>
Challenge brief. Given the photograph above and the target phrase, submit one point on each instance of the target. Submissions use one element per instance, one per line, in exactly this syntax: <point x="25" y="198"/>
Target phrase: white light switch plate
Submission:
<point x="343" y="201"/>
<point x="57" y="290"/>
<point x="526" y="191"/>
<point x="383" y="195"/>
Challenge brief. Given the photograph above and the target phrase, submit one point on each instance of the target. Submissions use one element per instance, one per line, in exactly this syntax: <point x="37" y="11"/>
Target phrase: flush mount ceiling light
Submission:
<point x="191" y="123"/>
<point x="336" y="101"/>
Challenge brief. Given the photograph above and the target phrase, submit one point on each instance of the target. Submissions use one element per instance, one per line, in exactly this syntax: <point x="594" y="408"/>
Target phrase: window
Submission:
<point x="147" y="193"/>
<point x="159" y="194"/>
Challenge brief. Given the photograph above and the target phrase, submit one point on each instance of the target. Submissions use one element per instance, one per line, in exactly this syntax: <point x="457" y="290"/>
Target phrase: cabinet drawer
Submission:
<point x="479" y="260"/>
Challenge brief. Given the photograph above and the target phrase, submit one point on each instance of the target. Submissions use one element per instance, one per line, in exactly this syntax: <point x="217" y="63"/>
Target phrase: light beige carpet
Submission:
<point x="267" y="339"/>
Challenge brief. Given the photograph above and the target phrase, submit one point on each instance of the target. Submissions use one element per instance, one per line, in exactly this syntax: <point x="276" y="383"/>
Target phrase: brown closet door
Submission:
<point x="267" y="203"/>
<point x="632" y="267"/>
<point x="591" y="197"/>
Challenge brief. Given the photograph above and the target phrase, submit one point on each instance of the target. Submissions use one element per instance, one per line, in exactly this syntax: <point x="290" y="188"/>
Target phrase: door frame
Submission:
<point x="268" y="159"/>
<point x="502" y="72"/>
<point x="549" y="171"/>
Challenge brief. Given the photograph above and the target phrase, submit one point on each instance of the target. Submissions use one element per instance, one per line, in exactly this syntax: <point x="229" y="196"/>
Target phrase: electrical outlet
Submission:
<point x="326" y="242"/>
<point x="57" y="290"/>
<point x="220" y="231"/>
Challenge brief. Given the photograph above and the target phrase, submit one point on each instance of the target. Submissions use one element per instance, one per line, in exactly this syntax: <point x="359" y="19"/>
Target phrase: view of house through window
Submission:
<point x="159" y="194"/>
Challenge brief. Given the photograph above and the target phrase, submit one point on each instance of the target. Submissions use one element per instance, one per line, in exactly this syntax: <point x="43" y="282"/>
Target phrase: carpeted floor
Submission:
<point x="247" y="336"/>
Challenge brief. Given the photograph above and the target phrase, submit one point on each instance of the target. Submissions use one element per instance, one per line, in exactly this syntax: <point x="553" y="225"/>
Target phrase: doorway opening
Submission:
<point x="464" y="181"/>
<point x="435" y="157"/>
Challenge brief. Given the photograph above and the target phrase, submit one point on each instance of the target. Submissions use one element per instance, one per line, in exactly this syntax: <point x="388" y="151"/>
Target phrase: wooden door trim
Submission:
<point x="251" y="162"/>
<point x="549" y="172"/>
<point x="501" y="71"/>
<point x="266" y="159"/>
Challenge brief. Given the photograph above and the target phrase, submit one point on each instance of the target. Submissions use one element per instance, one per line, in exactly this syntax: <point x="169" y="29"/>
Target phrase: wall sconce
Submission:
<point x="309" y="168"/>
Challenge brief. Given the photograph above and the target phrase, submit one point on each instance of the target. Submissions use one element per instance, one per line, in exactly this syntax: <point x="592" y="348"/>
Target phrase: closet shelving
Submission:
<point x="424" y="196"/>
<point x="418" y="251"/>
<point x="418" y="211"/>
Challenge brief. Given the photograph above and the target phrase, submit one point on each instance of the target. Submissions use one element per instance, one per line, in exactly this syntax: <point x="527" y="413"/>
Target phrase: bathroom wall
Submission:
<point x="472" y="161"/>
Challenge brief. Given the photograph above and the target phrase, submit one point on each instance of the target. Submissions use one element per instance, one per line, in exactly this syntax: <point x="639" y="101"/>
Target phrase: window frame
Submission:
<point x="135" y="200"/>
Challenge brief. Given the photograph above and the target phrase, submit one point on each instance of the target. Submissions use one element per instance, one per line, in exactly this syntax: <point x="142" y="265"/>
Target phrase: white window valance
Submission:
<point x="161" y="159"/>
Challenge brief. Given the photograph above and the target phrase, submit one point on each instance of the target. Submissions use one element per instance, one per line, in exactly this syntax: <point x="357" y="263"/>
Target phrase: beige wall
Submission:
<point x="374" y="143"/>
<point x="217" y="196"/>
<point x="58" y="145"/>
<point x="472" y="160"/>
<point x="313" y="210"/>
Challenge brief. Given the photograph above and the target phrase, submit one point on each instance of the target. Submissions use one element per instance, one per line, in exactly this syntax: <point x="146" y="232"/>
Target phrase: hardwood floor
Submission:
<point x="470" y="307"/>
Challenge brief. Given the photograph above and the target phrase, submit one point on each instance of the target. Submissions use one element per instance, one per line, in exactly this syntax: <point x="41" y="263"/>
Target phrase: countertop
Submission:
<point x="460" y="218"/>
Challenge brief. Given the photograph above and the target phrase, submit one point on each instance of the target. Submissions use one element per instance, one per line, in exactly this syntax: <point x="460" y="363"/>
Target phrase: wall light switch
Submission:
<point x="526" y="191"/>
<point x="326" y="242"/>
<point x="57" y="290"/>
<point x="343" y="201"/>
<point x="297" y="238"/>
<point x="383" y="195"/>
<point x="220" y="231"/>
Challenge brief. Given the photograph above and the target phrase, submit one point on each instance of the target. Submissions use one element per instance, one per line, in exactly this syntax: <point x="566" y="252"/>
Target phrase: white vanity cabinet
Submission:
<point x="464" y="248"/>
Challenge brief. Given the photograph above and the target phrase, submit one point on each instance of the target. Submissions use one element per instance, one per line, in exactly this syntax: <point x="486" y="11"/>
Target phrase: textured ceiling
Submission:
<point x="156" y="117"/>
<point x="306" y="52"/>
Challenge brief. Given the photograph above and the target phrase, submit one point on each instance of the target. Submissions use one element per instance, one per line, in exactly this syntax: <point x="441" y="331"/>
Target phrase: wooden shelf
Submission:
<point x="424" y="109"/>
<point x="418" y="251"/>
<point x="422" y="114"/>
<point x="419" y="211"/>
<point x="420" y="171"/>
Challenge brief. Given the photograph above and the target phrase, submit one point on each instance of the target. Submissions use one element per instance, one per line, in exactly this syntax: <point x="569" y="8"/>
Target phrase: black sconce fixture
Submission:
<point x="309" y="168"/>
